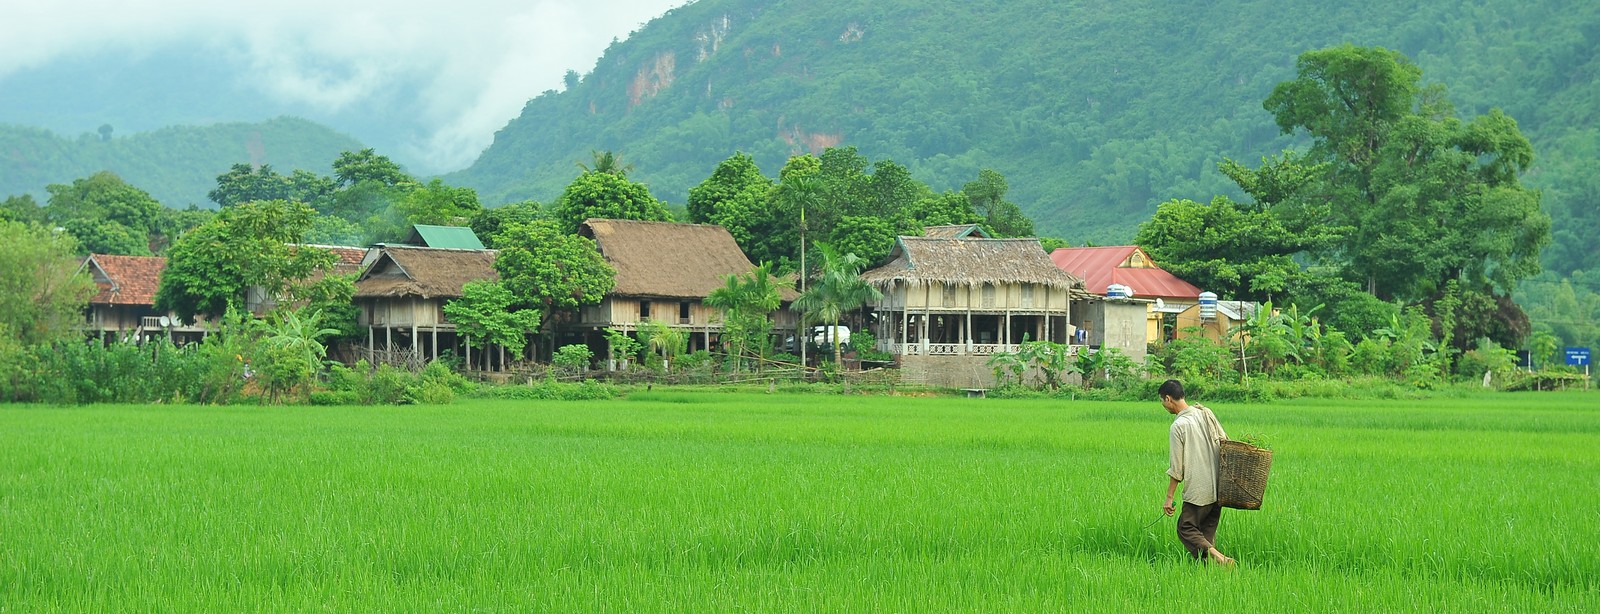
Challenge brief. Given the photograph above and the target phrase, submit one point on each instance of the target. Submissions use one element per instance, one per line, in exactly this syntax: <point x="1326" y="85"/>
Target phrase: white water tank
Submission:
<point x="1208" y="306"/>
<point x="1118" y="291"/>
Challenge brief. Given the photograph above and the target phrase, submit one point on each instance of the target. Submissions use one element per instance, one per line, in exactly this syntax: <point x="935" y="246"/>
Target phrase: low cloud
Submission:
<point x="471" y="64"/>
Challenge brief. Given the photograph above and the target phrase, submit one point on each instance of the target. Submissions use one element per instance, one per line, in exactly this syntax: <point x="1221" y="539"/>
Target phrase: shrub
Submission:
<point x="573" y="358"/>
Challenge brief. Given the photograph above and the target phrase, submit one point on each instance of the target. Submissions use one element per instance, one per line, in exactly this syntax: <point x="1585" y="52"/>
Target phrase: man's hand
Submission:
<point x="1167" y="508"/>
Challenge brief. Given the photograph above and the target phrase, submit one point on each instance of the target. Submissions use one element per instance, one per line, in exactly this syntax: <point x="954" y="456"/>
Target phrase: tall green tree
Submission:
<point x="732" y="197"/>
<point x="599" y="194"/>
<point x="550" y="270"/>
<point x="1430" y="197"/>
<point x="1237" y="252"/>
<point x="367" y="166"/>
<point x="487" y="223"/>
<point x="487" y="314"/>
<point x="252" y="245"/>
<point x="42" y="295"/>
<point x="988" y="196"/>
<point x="114" y="216"/>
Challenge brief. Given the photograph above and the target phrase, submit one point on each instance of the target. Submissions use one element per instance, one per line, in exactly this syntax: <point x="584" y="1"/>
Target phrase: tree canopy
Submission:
<point x="210" y="269"/>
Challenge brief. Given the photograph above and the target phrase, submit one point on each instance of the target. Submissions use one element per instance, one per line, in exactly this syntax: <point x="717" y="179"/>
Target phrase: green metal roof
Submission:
<point x="448" y="237"/>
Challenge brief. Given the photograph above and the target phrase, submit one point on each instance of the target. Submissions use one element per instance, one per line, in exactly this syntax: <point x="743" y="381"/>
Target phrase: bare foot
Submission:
<point x="1222" y="559"/>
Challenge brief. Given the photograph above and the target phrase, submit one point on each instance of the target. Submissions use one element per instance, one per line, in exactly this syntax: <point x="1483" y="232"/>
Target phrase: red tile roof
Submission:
<point x="1102" y="266"/>
<point x="126" y="280"/>
<point x="349" y="258"/>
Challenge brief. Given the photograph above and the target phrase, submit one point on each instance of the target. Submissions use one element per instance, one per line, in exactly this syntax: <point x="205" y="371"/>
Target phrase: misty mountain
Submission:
<point x="1094" y="111"/>
<point x="176" y="165"/>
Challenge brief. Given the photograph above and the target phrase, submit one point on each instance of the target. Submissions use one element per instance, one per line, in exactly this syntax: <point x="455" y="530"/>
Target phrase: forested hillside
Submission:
<point x="1095" y="112"/>
<point x="176" y="165"/>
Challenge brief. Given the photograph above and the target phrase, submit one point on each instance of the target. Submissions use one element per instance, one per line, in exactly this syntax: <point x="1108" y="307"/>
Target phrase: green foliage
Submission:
<point x="487" y="223"/>
<point x="436" y="384"/>
<point x="623" y="346"/>
<point x="290" y="351"/>
<point x="435" y="203"/>
<point x="587" y="390"/>
<point x="1048" y="362"/>
<point x="732" y="197"/>
<point x="42" y="297"/>
<point x="663" y="342"/>
<point x="1103" y="365"/>
<point x="549" y="270"/>
<point x="1196" y="357"/>
<point x="353" y="168"/>
<point x="597" y="194"/>
<point x="1225" y="248"/>
<point x="573" y="358"/>
<point x="1391" y="145"/>
<point x="177" y="165"/>
<point x="870" y="238"/>
<point x="210" y="269"/>
<point x="486" y="314"/>
<point x="747" y="302"/>
<point x="838" y="290"/>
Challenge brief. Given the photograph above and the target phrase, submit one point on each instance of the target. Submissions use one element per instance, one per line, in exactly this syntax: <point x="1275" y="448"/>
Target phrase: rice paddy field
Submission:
<point x="712" y="501"/>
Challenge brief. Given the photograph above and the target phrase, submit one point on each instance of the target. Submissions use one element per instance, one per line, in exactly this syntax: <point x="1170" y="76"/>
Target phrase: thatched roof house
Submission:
<point x="920" y="261"/>
<point x="403" y="293"/>
<point x="424" y="272"/>
<point x="664" y="272"/>
<point x="666" y="259"/>
<point x="950" y="302"/>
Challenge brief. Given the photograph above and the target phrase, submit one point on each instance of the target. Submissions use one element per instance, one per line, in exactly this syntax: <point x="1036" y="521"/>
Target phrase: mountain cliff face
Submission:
<point x="1095" y="111"/>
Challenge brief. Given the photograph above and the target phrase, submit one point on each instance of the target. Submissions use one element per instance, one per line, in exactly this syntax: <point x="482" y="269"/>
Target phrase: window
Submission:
<point x="644" y="310"/>
<point x="988" y="296"/>
<point x="949" y="295"/>
<point x="1027" y="295"/>
<point x="683" y="312"/>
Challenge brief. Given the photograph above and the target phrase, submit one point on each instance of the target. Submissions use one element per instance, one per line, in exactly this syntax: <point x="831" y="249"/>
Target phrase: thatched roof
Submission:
<point x="955" y="231"/>
<point x="667" y="260"/>
<point x="922" y="260"/>
<point x="125" y="280"/>
<point x="425" y="272"/>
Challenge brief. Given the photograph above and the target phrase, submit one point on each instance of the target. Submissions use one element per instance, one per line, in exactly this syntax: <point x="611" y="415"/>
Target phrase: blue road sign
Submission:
<point x="1578" y="357"/>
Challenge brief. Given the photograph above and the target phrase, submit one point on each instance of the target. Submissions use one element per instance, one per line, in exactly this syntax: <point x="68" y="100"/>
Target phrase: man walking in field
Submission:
<point x="1194" y="436"/>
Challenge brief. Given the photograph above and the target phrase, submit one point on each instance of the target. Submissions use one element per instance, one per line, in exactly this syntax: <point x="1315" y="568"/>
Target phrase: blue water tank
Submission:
<point x="1208" y="306"/>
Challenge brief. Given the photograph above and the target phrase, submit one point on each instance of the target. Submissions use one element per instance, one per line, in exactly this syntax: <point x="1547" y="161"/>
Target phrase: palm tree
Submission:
<point x="607" y="162"/>
<point x="745" y="302"/>
<point x="838" y="290"/>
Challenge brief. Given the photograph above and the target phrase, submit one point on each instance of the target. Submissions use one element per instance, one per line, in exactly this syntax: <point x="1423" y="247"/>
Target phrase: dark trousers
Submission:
<point x="1197" y="527"/>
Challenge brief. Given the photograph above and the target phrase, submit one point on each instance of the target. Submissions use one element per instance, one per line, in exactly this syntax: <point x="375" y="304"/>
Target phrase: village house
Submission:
<point x="951" y="303"/>
<point x="401" y="297"/>
<point x="664" y="272"/>
<point x="125" y="306"/>
<point x="1174" y="305"/>
<point x="1128" y="266"/>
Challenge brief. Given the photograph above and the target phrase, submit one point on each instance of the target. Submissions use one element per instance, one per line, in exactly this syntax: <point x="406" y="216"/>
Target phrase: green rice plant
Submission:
<point x="672" y="500"/>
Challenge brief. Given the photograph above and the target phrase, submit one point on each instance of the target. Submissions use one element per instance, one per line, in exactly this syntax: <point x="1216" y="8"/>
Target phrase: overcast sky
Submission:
<point x="483" y="58"/>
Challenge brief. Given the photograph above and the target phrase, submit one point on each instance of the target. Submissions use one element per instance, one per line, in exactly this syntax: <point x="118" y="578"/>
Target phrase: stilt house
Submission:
<point x="402" y="296"/>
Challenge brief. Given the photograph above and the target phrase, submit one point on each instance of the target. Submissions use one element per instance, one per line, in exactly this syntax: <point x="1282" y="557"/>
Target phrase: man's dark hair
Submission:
<point x="1171" y="388"/>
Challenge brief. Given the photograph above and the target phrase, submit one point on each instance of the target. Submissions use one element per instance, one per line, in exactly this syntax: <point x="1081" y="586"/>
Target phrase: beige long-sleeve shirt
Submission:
<point x="1193" y="443"/>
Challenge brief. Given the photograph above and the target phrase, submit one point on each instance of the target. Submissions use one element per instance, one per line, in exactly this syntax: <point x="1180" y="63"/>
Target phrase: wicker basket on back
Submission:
<point x="1242" y="475"/>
